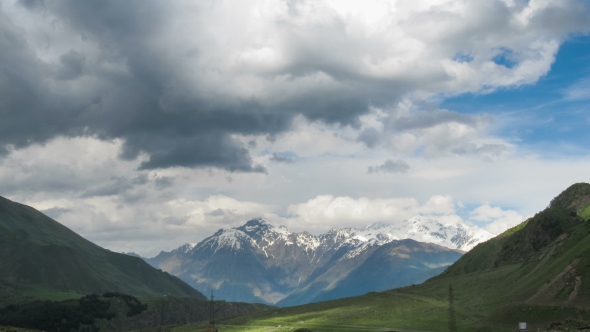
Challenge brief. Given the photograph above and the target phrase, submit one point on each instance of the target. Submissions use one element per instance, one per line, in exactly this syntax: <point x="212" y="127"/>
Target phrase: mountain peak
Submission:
<point x="575" y="198"/>
<point x="185" y="248"/>
<point x="258" y="222"/>
<point x="256" y="226"/>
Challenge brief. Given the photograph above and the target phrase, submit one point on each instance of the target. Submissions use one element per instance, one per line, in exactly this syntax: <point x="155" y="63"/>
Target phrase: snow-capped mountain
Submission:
<point x="259" y="262"/>
<point x="453" y="236"/>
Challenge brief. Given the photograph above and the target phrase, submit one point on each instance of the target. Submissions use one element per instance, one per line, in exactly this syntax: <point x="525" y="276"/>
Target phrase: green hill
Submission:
<point x="537" y="272"/>
<point x="42" y="259"/>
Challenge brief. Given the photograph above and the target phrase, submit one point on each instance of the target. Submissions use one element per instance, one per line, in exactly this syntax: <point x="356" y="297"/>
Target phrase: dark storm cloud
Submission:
<point x="129" y="74"/>
<point x="172" y="130"/>
<point x="139" y="106"/>
<point x="211" y="150"/>
<point x="31" y="4"/>
<point x="390" y="166"/>
<point x="71" y="66"/>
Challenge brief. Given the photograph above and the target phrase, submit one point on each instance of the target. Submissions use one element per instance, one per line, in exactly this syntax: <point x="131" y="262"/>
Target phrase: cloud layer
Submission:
<point x="177" y="81"/>
<point x="143" y="124"/>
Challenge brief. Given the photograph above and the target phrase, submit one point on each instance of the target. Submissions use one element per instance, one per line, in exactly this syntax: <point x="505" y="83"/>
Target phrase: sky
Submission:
<point x="144" y="124"/>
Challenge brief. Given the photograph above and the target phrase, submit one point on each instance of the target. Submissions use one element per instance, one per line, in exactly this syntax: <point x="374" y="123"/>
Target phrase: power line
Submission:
<point x="212" y="311"/>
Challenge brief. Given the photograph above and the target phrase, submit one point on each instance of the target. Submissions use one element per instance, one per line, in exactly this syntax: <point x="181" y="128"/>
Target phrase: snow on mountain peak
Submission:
<point x="229" y="238"/>
<point x="256" y="226"/>
<point x="185" y="248"/>
<point x="261" y="234"/>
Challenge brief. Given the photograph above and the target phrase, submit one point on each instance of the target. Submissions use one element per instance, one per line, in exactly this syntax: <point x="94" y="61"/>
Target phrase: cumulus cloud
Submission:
<point x="177" y="81"/>
<point x="497" y="220"/>
<point x="390" y="166"/>
<point x="326" y="211"/>
<point x="435" y="133"/>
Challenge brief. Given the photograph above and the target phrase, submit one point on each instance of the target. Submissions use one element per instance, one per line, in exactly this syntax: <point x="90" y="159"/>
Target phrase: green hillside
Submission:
<point x="42" y="259"/>
<point x="537" y="272"/>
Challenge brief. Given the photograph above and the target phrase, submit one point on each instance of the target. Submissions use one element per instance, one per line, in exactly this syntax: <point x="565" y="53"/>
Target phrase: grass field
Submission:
<point x="420" y="308"/>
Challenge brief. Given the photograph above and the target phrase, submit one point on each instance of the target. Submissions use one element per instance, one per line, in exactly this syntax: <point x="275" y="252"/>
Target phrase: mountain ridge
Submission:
<point x="275" y="263"/>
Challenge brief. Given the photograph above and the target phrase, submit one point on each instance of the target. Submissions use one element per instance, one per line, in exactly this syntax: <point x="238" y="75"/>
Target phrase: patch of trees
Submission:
<point x="70" y="315"/>
<point x="135" y="307"/>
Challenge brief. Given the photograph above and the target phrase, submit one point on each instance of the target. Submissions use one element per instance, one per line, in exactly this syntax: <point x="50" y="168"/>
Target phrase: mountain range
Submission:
<point x="259" y="262"/>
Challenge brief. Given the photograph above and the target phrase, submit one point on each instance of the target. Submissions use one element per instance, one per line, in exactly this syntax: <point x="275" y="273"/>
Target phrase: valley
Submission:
<point x="536" y="272"/>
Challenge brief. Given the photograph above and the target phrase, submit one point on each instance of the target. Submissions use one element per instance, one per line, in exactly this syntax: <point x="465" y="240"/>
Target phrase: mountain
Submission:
<point x="40" y="258"/>
<point x="537" y="272"/>
<point x="394" y="264"/>
<point x="259" y="262"/>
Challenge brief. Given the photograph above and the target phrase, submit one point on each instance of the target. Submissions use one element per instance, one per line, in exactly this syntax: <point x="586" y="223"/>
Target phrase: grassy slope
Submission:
<point x="514" y="277"/>
<point x="40" y="258"/>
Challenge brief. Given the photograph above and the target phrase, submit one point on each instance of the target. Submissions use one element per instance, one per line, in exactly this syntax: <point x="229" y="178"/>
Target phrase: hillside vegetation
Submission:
<point x="537" y="272"/>
<point x="115" y="312"/>
<point x="42" y="259"/>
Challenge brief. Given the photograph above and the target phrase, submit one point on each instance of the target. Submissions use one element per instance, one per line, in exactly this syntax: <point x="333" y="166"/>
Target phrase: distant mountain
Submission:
<point x="376" y="268"/>
<point x="40" y="258"/>
<point x="259" y="262"/>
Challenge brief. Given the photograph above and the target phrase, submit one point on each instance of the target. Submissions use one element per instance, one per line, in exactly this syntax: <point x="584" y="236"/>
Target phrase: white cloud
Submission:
<point x="326" y="211"/>
<point x="132" y="211"/>
<point x="497" y="220"/>
<point x="578" y="91"/>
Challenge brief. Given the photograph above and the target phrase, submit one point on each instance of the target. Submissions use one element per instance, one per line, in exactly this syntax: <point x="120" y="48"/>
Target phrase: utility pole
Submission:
<point x="212" y="311"/>
<point x="452" y="322"/>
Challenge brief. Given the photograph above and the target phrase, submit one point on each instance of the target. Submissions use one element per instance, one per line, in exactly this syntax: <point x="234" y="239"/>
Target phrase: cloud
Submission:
<point x="497" y="220"/>
<point x="163" y="182"/>
<point x="55" y="212"/>
<point x="177" y="82"/>
<point x="71" y="66"/>
<point x="433" y="133"/>
<point x="326" y="211"/>
<point x="370" y="136"/>
<point x="579" y="91"/>
<point x="390" y="166"/>
<point x="281" y="159"/>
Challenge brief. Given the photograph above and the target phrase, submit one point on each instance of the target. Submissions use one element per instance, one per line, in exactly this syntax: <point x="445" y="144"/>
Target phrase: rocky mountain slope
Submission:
<point x="40" y="258"/>
<point x="259" y="262"/>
